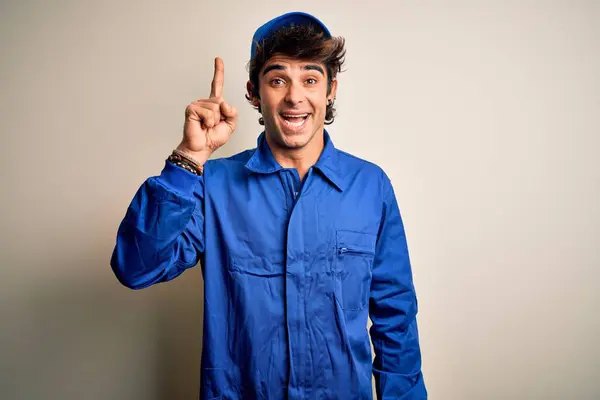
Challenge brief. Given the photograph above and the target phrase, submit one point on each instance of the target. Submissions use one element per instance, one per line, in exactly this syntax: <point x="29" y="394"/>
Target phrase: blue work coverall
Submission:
<point x="292" y="271"/>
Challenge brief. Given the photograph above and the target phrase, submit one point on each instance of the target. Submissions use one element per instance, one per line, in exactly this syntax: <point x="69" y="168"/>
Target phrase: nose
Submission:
<point x="294" y="95"/>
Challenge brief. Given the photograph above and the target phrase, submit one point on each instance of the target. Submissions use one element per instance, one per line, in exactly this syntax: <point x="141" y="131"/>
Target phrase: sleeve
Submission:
<point x="162" y="233"/>
<point x="393" y="311"/>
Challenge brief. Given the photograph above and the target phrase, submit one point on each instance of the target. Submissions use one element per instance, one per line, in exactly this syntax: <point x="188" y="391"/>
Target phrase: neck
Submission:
<point x="300" y="158"/>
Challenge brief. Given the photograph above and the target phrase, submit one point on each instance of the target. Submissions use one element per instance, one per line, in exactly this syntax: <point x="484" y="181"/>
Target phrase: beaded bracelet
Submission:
<point x="184" y="164"/>
<point x="186" y="157"/>
<point x="182" y="160"/>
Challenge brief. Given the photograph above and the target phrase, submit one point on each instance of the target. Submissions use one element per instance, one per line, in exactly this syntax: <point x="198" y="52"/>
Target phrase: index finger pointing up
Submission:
<point x="216" y="89"/>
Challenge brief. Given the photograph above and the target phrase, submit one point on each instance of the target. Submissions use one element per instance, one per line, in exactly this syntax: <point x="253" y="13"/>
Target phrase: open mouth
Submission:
<point x="294" y="121"/>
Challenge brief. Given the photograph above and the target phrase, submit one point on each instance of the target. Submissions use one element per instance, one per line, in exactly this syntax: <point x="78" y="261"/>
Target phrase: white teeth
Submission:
<point x="298" y="122"/>
<point x="294" y="124"/>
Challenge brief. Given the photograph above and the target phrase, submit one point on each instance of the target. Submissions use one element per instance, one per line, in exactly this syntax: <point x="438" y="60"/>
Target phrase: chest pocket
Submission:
<point x="355" y="252"/>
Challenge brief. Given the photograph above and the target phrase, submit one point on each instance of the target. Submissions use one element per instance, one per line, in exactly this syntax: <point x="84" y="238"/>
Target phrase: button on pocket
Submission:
<point x="354" y="261"/>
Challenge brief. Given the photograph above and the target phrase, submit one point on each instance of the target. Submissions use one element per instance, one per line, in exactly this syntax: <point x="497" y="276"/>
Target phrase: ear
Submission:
<point x="333" y="91"/>
<point x="255" y="101"/>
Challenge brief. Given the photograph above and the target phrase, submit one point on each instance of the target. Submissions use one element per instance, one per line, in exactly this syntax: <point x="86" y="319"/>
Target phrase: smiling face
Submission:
<point x="293" y="100"/>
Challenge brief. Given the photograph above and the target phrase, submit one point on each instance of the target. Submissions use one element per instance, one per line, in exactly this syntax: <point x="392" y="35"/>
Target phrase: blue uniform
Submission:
<point x="292" y="271"/>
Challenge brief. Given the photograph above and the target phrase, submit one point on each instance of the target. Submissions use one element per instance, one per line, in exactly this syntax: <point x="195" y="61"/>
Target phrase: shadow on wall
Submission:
<point x="88" y="337"/>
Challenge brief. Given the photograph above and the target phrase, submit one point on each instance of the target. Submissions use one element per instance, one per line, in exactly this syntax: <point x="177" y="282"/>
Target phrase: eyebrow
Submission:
<point x="279" y="67"/>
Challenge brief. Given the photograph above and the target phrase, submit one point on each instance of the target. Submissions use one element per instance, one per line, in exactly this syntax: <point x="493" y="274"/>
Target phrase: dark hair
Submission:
<point x="304" y="42"/>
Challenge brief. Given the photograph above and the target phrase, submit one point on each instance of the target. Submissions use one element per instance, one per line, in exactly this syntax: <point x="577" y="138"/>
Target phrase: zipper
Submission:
<point x="347" y="250"/>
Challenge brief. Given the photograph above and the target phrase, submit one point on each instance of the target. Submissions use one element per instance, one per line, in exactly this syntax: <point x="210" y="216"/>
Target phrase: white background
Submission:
<point x="485" y="114"/>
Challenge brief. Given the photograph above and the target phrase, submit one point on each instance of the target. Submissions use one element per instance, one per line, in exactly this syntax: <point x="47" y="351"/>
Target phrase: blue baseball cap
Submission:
<point x="292" y="18"/>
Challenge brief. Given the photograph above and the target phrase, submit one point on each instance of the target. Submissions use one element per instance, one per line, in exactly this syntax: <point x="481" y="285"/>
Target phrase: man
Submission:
<point x="299" y="242"/>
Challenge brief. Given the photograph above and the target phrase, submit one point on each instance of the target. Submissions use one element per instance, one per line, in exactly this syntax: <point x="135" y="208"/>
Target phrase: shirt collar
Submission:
<point x="263" y="161"/>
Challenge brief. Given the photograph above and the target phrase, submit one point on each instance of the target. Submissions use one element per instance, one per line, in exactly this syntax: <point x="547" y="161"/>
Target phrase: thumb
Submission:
<point x="228" y="111"/>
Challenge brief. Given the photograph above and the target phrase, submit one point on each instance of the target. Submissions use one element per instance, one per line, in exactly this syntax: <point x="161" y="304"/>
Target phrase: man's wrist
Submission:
<point x="199" y="157"/>
<point x="189" y="160"/>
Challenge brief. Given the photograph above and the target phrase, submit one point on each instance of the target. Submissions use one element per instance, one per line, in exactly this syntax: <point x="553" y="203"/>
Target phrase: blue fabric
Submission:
<point x="292" y="270"/>
<point x="296" y="18"/>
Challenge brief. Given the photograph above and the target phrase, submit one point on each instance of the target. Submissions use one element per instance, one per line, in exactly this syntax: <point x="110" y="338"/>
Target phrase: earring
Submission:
<point x="330" y="102"/>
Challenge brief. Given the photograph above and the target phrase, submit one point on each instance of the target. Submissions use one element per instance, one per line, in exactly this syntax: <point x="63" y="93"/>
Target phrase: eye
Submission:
<point x="311" y="81"/>
<point x="277" y="81"/>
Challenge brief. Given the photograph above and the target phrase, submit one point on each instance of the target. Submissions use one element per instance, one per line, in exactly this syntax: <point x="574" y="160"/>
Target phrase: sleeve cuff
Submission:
<point x="178" y="179"/>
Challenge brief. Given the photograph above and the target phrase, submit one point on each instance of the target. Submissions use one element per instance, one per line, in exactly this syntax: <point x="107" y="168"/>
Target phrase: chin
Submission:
<point x="295" y="139"/>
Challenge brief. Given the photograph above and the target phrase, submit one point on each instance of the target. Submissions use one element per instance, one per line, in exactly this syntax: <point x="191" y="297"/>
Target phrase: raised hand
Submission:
<point x="209" y="122"/>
